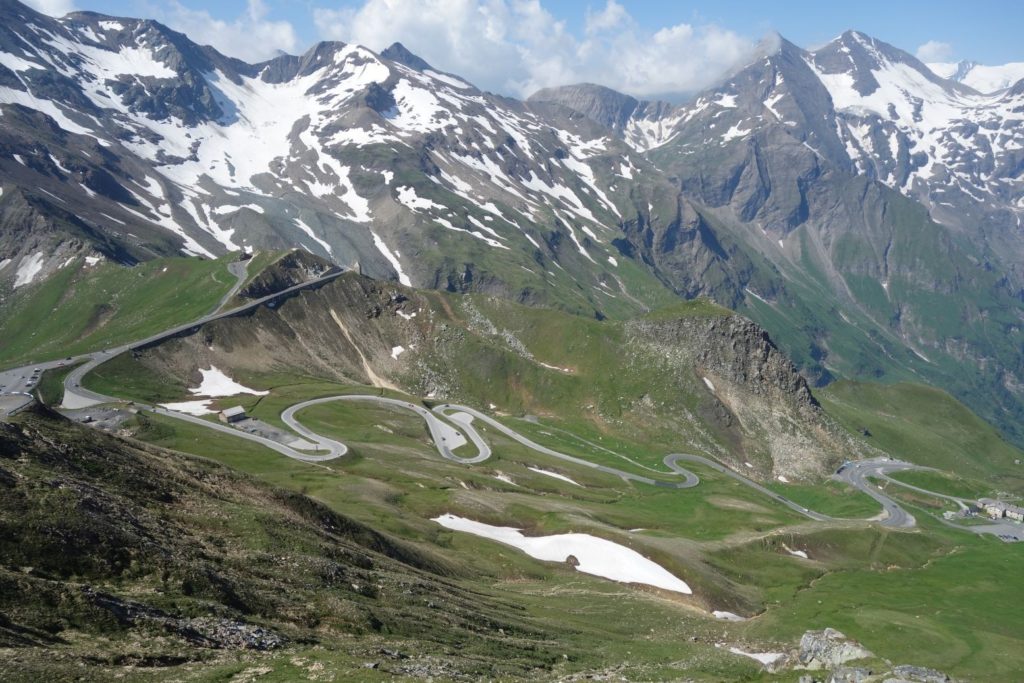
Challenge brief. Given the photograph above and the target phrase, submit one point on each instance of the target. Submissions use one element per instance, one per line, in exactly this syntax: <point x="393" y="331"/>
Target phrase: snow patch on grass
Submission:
<point x="197" y="408"/>
<point x="795" y="553"/>
<point x="596" y="556"/>
<point x="556" y="475"/>
<point x="28" y="268"/>
<point x="216" y="383"/>
<point x="766" y="658"/>
<point x="727" y="616"/>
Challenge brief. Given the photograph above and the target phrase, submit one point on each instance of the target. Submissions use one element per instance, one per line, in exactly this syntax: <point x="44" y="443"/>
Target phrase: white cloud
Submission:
<point x="55" y="8"/>
<point x="934" y="51"/>
<point x="517" y="46"/>
<point x="251" y="36"/>
<point x="612" y="16"/>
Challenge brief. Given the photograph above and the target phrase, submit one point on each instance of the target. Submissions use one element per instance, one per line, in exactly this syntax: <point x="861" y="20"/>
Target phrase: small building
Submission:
<point x="230" y="415"/>
<point x="996" y="509"/>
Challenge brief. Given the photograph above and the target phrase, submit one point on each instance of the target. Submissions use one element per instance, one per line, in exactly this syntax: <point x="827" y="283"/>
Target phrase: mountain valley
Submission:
<point x="337" y="367"/>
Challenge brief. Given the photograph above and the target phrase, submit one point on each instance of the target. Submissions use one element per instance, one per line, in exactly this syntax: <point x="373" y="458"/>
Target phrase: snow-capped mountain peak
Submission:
<point x="984" y="79"/>
<point x="341" y="150"/>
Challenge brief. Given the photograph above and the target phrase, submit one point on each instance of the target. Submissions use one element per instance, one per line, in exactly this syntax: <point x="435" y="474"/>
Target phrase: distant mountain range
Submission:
<point x="861" y="206"/>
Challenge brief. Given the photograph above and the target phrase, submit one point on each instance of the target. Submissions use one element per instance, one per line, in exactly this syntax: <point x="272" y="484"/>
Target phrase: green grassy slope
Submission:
<point x="941" y="599"/>
<point x="175" y="538"/>
<point x="830" y="498"/>
<point x="910" y="596"/>
<point x="926" y="426"/>
<point x="946" y="483"/>
<point x="83" y="308"/>
<point x="179" y="537"/>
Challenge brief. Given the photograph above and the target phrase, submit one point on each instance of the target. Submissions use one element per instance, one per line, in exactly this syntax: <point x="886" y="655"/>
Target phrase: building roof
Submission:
<point x="231" y="412"/>
<point x="1000" y="505"/>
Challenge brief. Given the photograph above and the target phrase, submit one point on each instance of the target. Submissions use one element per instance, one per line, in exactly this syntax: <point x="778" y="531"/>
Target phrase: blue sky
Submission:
<point x="645" y="48"/>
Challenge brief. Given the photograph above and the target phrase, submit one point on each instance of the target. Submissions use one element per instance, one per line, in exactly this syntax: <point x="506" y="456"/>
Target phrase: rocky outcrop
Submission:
<point x="782" y="428"/>
<point x="210" y="632"/>
<point x="850" y="674"/>
<point x="906" y="673"/>
<point x="295" y="267"/>
<point x="737" y="350"/>
<point x="829" y="649"/>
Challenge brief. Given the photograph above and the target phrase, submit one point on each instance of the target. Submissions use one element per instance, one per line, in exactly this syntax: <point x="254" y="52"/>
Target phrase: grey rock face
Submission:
<point x="598" y="103"/>
<point x="916" y="674"/>
<point x="829" y="649"/>
<point x="853" y="674"/>
<point x="397" y="52"/>
<point x="762" y="401"/>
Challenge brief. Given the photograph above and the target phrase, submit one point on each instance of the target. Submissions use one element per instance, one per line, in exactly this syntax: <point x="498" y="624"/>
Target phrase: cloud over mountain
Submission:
<point x="516" y="47"/>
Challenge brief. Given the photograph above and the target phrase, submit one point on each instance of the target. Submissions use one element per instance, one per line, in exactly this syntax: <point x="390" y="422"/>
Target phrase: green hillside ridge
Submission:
<point x="929" y="427"/>
<point x="645" y="379"/>
<point x="947" y="484"/>
<point x="84" y="308"/>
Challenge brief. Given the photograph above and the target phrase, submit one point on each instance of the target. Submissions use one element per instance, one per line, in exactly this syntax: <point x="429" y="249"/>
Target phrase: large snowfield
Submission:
<point x="596" y="556"/>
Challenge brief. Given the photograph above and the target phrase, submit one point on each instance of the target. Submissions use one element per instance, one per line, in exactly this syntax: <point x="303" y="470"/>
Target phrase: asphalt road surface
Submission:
<point x="451" y="411"/>
<point x="240" y="269"/>
<point x="445" y="436"/>
<point x="856" y="473"/>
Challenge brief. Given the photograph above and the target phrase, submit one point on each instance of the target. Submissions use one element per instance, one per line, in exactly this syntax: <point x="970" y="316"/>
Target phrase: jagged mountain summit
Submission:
<point x="126" y="130"/>
<point x="863" y="209"/>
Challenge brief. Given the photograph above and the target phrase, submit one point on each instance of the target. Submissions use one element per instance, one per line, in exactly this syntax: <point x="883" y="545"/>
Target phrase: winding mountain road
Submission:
<point x="856" y="474"/>
<point x="451" y="426"/>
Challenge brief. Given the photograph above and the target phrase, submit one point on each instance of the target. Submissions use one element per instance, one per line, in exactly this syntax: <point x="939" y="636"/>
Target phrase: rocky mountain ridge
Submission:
<point x="375" y="161"/>
<point x="859" y="207"/>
